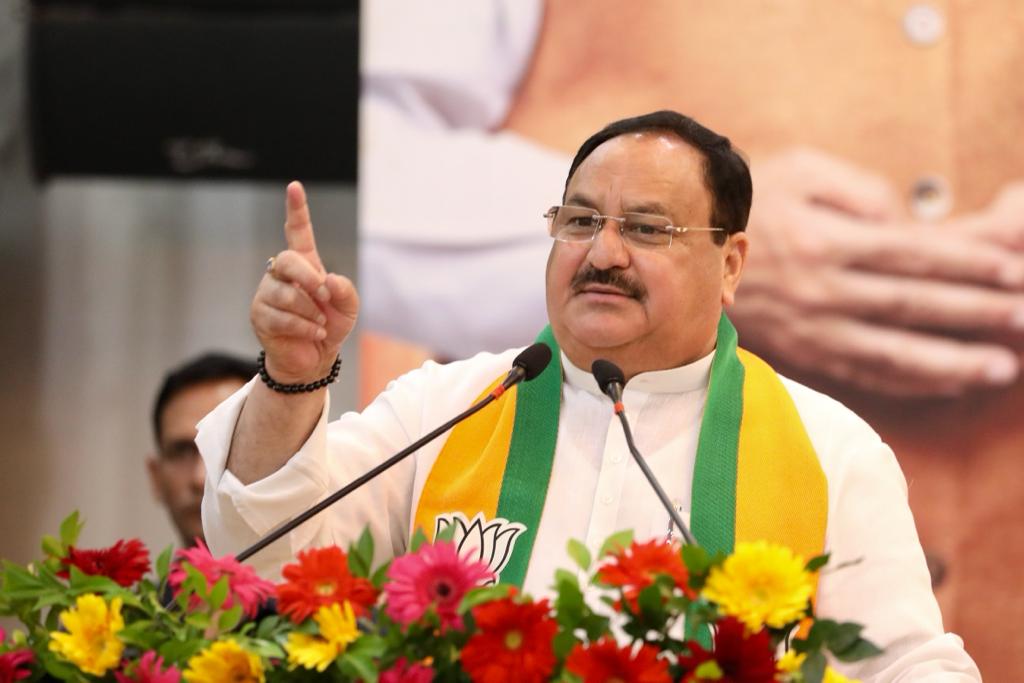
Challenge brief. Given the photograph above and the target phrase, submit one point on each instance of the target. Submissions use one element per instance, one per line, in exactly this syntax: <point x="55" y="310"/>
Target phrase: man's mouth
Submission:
<point x="603" y="289"/>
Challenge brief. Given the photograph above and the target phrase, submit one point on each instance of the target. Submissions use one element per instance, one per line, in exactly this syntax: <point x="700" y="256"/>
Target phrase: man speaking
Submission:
<point x="649" y="247"/>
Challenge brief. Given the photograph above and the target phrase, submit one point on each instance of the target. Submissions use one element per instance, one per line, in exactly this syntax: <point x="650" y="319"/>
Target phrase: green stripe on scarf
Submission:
<point x="530" y="457"/>
<point x="713" y="506"/>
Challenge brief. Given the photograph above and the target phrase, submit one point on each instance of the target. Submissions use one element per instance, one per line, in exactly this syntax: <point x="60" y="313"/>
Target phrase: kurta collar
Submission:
<point x="679" y="380"/>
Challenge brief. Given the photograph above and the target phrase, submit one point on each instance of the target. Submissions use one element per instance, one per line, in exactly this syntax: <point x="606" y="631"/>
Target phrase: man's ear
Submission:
<point x="735" y="255"/>
<point x="155" y="477"/>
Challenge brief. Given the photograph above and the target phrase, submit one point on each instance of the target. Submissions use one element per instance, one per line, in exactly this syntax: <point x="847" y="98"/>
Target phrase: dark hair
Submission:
<point x="726" y="174"/>
<point x="206" y="368"/>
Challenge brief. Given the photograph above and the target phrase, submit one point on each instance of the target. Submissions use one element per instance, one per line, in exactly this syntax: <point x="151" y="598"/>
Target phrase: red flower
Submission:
<point x="243" y="584"/>
<point x="634" y="568"/>
<point x="149" y="669"/>
<point x="605" y="661"/>
<point x="742" y="658"/>
<point x="513" y="642"/>
<point x="11" y="664"/>
<point x="321" y="577"/>
<point x="125" y="562"/>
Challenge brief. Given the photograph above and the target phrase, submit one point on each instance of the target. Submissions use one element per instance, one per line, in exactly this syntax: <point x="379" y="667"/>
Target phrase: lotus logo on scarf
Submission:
<point x="490" y="542"/>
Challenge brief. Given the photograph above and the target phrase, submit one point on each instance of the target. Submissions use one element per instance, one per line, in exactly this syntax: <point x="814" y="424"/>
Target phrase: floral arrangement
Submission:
<point x="640" y="612"/>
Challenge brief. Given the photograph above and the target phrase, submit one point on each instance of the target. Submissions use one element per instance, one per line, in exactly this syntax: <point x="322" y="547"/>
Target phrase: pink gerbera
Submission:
<point x="149" y="669"/>
<point x="434" y="576"/>
<point x="403" y="672"/>
<point x="243" y="584"/>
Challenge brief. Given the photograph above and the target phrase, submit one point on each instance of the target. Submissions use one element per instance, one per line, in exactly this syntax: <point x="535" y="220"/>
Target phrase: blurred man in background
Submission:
<point x="187" y="394"/>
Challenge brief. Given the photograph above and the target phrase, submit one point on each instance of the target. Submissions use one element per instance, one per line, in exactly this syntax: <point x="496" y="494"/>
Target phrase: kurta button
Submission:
<point x="924" y="24"/>
<point x="607" y="500"/>
<point x="930" y="198"/>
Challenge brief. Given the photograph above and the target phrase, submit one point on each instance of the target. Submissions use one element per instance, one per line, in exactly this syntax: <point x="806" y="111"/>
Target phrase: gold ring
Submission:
<point x="270" y="265"/>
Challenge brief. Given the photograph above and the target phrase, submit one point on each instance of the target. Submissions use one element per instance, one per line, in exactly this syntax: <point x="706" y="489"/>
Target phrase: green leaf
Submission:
<point x="418" y="539"/>
<point x="195" y="582"/>
<point x="264" y="648"/>
<point x="219" y="592"/>
<point x="368" y="646"/>
<point x="816" y="563"/>
<point x="861" y="649"/>
<point x="364" y="547"/>
<point x="199" y="620"/>
<point x="163" y="564"/>
<point x="380" y="575"/>
<point x="357" y="666"/>
<point x="229" y="619"/>
<point x="181" y="650"/>
<point x="70" y="528"/>
<point x="696" y="559"/>
<point x="61" y="670"/>
<point x="595" y="626"/>
<point x="478" y="596"/>
<point x="617" y="541"/>
<point x="813" y="668"/>
<point x="446" y="534"/>
<point x="267" y="627"/>
<point x="579" y="554"/>
<point x="843" y="636"/>
<point x="52" y="547"/>
<point x="563" y="643"/>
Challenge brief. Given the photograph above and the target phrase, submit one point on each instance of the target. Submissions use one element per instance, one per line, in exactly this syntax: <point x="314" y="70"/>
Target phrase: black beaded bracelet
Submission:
<point x="261" y="365"/>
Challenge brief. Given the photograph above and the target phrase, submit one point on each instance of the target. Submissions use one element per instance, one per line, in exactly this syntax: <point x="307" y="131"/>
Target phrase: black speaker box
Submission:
<point x="216" y="89"/>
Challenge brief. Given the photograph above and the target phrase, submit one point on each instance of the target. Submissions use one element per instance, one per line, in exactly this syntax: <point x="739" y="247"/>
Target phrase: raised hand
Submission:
<point x="301" y="313"/>
<point x="840" y="284"/>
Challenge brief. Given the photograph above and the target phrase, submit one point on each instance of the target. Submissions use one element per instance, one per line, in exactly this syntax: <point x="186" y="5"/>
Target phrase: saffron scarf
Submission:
<point x="756" y="474"/>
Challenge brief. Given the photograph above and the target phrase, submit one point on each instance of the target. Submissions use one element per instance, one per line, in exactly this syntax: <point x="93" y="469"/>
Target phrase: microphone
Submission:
<point x="526" y="366"/>
<point x="611" y="380"/>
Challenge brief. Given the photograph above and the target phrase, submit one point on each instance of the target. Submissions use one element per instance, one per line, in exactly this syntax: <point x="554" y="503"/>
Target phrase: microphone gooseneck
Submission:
<point x="611" y="380"/>
<point x="530" y="362"/>
<point x="526" y="366"/>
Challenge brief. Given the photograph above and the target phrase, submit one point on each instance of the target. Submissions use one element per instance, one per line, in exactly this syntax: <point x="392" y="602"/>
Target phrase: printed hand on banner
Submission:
<point x="840" y="284"/>
<point x="301" y="313"/>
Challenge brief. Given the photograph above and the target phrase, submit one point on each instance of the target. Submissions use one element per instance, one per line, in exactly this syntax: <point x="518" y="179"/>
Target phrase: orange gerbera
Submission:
<point x="321" y="577"/>
<point x="606" y="661"/>
<point x="512" y="643"/>
<point x="634" y="568"/>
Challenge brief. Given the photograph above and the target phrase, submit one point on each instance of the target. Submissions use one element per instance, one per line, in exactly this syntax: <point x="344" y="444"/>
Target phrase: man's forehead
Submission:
<point x="653" y="171"/>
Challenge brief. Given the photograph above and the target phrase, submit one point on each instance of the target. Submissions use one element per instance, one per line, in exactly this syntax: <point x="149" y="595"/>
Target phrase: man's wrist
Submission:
<point x="296" y="387"/>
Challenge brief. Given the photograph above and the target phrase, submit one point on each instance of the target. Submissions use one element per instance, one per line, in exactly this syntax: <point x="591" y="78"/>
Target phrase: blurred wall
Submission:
<point x="106" y="284"/>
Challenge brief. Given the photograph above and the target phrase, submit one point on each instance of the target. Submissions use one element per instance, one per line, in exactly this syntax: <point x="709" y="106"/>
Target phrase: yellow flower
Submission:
<point x="224" y="660"/>
<point x="789" y="666"/>
<point x="761" y="584"/>
<point x="790" y="662"/>
<point x="90" y="641"/>
<point x="337" y="630"/>
<point x="833" y="676"/>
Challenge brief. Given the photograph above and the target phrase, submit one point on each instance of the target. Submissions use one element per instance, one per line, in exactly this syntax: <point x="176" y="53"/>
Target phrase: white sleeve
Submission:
<point x="888" y="589"/>
<point x="237" y="515"/>
<point x="442" y="192"/>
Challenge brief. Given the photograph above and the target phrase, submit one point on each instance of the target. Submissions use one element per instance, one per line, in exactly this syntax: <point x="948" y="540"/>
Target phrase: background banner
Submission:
<point x="885" y="140"/>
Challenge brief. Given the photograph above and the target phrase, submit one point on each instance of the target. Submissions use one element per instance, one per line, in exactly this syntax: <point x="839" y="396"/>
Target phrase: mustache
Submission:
<point x="612" y="277"/>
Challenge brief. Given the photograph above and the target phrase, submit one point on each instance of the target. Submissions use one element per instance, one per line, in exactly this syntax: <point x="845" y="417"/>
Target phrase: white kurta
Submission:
<point x="595" y="490"/>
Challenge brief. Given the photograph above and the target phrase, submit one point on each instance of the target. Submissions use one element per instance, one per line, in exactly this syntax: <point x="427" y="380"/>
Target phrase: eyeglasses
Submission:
<point x="581" y="224"/>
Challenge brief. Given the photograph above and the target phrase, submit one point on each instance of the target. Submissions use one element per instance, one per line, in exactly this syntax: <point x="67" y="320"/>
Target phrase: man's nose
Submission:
<point x="609" y="250"/>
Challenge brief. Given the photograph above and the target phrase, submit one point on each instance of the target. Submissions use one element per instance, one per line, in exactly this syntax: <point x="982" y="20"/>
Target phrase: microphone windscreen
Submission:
<point x="533" y="360"/>
<point x="606" y="373"/>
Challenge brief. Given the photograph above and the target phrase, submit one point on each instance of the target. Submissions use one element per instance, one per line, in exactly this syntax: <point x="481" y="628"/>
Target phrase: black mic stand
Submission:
<point x="610" y="379"/>
<point x="526" y="366"/>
